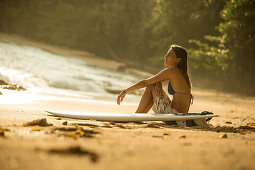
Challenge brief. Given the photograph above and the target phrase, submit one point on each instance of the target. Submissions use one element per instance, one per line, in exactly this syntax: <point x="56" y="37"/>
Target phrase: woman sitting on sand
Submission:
<point x="179" y="86"/>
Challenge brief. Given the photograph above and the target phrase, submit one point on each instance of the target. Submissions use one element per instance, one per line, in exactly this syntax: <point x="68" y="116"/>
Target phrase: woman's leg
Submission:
<point x="147" y="100"/>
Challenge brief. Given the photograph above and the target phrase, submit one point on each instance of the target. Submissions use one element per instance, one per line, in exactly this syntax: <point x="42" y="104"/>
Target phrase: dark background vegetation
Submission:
<point x="218" y="34"/>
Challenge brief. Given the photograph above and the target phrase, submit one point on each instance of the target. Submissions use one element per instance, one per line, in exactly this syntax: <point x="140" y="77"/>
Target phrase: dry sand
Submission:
<point x="105" y="145"/>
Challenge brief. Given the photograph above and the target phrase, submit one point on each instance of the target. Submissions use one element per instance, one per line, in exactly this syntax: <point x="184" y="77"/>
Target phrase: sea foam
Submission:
<point x="39" y="70"/>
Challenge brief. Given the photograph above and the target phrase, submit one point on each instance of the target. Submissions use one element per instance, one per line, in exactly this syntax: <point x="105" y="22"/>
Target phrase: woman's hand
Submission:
<point x="121" y="97"/>
<point x="158" y="89"/>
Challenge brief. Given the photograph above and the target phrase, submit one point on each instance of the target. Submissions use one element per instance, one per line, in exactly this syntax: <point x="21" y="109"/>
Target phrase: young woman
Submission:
<point x="179" y="86"/>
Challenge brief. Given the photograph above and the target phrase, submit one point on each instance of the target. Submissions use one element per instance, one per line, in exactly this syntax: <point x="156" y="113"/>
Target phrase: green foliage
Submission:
<point x="238" y="36"/>
<point x="176" y="22"/>
<point x="231" y="54"/>
<point x="238" y="33"/>
<point x="208" y="58"/>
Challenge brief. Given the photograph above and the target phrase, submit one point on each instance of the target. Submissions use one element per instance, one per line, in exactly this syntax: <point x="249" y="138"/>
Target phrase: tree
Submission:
<point x="238" y="36"/>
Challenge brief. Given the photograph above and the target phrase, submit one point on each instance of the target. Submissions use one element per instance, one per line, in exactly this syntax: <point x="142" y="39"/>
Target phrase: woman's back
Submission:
<point x="182" y="96"/>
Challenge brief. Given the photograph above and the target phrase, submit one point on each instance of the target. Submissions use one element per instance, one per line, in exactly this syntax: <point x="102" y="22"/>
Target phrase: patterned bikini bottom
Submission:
<point x="162" y="105"/>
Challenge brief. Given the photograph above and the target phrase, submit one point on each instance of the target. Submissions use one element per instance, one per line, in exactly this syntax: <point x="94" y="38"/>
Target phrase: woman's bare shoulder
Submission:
<point x="163" y="75"/>
<point x="171" y="70"/>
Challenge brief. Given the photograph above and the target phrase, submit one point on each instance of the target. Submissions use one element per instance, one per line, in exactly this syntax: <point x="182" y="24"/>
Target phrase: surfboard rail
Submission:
<point x="127" y="117"/>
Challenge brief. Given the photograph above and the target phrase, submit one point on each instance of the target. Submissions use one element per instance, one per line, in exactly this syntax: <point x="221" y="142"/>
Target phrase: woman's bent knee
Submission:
<point x="152" y="90"/>
<point x="151" y="87"/>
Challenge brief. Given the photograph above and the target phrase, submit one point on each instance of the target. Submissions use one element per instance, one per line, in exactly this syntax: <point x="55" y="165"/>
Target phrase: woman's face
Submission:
<point x="170" y="58"/>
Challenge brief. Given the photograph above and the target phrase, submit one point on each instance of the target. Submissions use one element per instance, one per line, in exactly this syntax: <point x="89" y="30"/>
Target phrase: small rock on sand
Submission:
<point x="223" y="136"/>
<point x="182" y="137"/>
<point x="2" y="133"/>
<point x="64" y="123"/>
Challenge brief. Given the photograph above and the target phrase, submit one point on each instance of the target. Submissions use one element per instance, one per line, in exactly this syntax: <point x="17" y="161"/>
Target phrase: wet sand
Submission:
<point x="228" y="144"/>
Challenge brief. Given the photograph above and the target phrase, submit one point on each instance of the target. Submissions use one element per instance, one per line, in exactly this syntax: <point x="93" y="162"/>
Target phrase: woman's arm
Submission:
<point x="160" y="77"/>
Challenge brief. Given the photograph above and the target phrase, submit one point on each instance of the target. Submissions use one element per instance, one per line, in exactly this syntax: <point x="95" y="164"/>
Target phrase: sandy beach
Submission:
<point x="73" y="144"/>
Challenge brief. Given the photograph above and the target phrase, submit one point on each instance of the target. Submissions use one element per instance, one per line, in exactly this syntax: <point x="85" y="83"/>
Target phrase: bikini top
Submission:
<point x="172" y="92"/>
<point x="170" y="89"/>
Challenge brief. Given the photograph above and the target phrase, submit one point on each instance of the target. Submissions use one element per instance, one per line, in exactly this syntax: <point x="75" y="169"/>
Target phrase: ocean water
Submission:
<point x="40" y="71"/>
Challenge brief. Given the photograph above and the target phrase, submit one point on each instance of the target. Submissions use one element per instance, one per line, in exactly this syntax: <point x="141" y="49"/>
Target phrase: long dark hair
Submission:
<point x="181" y="53"/>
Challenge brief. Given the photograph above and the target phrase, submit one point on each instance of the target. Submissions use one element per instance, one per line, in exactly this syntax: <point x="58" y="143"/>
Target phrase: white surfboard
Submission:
<point x="133" y="117"/>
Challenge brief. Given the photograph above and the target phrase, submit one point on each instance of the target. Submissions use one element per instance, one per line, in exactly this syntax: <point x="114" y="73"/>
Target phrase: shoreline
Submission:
<point x="87" y="57"/>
